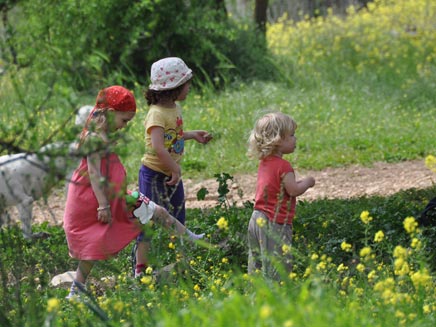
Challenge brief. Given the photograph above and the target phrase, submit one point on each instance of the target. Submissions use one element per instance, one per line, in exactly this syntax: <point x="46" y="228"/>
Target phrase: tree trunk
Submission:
<point x="260" y="14"/>
<point x="220" y="5"/>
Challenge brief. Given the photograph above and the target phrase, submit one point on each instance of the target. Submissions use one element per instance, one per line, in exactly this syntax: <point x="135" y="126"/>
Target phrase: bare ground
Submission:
<point x="349" y="182"/>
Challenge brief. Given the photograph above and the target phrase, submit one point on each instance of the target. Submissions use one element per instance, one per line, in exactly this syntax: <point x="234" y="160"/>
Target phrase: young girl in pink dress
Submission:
<point x="97" y="222"/>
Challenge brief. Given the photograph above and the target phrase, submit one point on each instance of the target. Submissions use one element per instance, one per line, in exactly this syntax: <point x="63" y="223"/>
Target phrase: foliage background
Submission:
<point x="361" y="88"/>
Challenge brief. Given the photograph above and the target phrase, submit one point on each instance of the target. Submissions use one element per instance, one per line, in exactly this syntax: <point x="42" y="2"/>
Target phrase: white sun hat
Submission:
<point x="169" y="73"/>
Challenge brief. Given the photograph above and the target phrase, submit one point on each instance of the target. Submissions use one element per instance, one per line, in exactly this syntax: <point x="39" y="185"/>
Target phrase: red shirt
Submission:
<point x="271" y="196"/>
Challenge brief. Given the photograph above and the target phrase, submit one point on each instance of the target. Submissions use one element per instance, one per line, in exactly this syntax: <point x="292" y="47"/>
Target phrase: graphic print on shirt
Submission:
<point x="173" y="138"/>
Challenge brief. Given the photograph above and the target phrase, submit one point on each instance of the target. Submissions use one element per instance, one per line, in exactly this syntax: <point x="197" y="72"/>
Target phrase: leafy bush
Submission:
<point x="387" y="43"/>
<point x="123" y="39"/>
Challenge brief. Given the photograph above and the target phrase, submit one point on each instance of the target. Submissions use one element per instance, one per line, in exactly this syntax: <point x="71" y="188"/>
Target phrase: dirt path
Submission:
<point x="349" y="182"/>
<point x="352" y="181"/>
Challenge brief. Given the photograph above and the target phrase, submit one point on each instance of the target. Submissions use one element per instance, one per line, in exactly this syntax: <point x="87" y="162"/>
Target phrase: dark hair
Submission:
<point x="154" y="97"/>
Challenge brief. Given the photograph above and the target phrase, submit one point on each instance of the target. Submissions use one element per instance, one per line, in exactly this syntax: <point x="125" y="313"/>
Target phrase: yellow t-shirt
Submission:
<point x="170" y="119"/>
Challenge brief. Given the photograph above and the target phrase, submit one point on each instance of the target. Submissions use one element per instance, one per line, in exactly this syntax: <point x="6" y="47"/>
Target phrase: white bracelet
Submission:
<point x="104" y="208"/>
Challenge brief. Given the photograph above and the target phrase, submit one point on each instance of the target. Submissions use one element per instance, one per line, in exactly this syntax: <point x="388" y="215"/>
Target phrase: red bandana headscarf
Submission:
<point x="113" y="97"/>
<point x="116" y="97"/>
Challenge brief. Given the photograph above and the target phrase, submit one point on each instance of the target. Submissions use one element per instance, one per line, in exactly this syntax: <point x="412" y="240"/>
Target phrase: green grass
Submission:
<point x="209" y="287"/>
<point x="338" y="125"/>
<point x="333" y="120"/>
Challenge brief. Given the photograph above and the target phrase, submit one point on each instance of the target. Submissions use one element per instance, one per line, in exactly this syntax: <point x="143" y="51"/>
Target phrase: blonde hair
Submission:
<point x="267" y="133"/>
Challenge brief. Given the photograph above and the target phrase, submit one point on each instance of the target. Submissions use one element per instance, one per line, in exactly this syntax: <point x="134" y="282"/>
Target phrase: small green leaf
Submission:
<point x="201" y="194"/>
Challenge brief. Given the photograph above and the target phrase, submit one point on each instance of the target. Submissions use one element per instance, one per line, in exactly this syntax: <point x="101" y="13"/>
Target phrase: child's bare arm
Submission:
<point x="158" y="145"/>
<point x="94" y="163"/>
<point x="296" y="188"/>
<point x="198" y="135"/>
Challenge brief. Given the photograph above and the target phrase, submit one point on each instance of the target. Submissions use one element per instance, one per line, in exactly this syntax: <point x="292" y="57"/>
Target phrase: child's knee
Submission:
<point x="163" y="216"/>
<point x="159" y="211"/>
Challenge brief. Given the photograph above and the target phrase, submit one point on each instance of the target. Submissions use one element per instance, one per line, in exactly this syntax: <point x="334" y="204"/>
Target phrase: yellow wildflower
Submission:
<point x="365" y="217"/>
<point x="265" y="311"/>
<point x="365" y="251"/>
<point x="401" y="267"/>
<point x="146" y="280"/>
<point x="346" y="246"/>
<point x="286" y="249"/>
<point x="372" y="275"/>
<point x="359" y="291"/>
<point x="314" y="256"/>
<point x="411" y="316"/>
<point x="387" y="284"/>
<point x="171" y="245"/>
<point x="421" y="279"/>
<point x="426" y="309"/>
<point x="416" y="243"/>
<point x="430" y="162"/>
<point x="321" y="266"/>
<point x="222" y="223"/>
<point x="410" y="224"/>
<point x="261" y="222"/>
<point x="118" y="306"/>
<point x="292" y="275"/>
<point x="400" y="252"/>
<point x="399" y="314"/>
<point x="379" y="236"/>
<point x="52" y="305"/>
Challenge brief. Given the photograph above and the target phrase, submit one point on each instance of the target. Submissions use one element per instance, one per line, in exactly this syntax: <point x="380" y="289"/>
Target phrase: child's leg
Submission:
<point x="82" y="272"/>
<point x="256" y="237"/>
<point x="176" y="194"/>
<point x="162" y="216"/>
<point x="148" y="181"/>
<point x="142" y="249"/>
<point x="153" y="185"/>
<point x="278" y="249"/>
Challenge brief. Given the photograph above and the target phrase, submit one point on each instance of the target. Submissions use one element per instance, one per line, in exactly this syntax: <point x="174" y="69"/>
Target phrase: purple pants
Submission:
<point x="153" y="185"/>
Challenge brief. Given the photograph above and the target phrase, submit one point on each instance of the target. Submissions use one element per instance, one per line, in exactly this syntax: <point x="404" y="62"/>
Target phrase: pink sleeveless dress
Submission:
<point x="89" y="239"/>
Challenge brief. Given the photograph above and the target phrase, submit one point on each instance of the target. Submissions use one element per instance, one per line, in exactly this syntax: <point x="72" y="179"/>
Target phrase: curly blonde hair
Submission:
<point x="267" y="133"/>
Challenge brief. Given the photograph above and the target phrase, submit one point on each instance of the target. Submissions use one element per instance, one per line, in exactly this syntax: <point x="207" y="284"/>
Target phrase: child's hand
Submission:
<point x="175" y="177"/>
<point x="104" y="216"/>
<point x="206" y="138"/>
<point x="202" y="137"/>
<point x="311" y="181"/>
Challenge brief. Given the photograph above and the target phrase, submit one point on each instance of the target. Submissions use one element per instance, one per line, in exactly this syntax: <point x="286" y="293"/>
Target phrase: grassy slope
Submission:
<point x="338" y="125"/>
